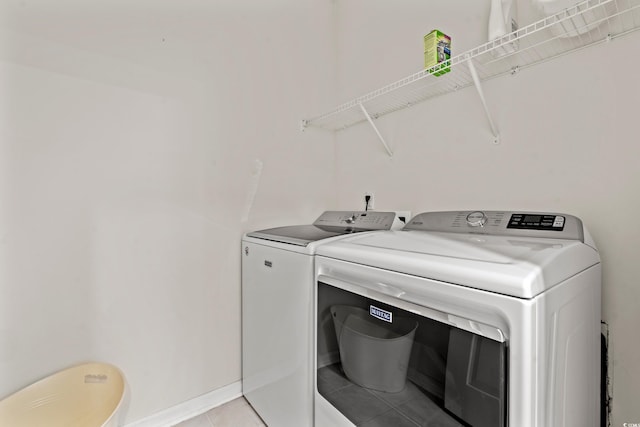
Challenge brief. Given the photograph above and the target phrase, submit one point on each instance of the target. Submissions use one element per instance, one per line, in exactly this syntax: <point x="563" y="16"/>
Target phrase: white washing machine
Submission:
<point x="484" y="319"/>
<point x="277" y="311"/>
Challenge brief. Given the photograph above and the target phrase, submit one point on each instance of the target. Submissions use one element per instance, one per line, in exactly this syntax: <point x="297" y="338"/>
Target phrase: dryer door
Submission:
<point x="385" y="361"/>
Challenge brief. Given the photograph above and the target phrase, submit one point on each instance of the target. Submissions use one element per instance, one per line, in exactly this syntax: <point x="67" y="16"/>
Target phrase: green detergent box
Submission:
<point x="437" y="49"/>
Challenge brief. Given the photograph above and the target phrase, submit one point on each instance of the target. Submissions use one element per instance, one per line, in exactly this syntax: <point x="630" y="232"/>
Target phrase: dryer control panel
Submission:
<point x="502" y="223"/>
<point x="527" y="221"/>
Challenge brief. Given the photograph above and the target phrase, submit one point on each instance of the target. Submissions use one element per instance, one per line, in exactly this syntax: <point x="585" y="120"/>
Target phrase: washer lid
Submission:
<point x="300" y="235"/>
<point x="329" y="224"/>
<point x="522" y="267"/>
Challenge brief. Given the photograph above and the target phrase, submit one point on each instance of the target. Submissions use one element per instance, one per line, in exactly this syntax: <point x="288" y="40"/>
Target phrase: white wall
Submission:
<point x="138" y="141"/>
<point x="569" y="131"/>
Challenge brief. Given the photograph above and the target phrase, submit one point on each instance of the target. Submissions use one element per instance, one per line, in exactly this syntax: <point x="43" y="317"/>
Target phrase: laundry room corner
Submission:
<point x="142" y="140"/>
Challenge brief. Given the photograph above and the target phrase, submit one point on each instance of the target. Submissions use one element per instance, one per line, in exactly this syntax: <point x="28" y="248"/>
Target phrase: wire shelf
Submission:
<point x="587" y="23"/>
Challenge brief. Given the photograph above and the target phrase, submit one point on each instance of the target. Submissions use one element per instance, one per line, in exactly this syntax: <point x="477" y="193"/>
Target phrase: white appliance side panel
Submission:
<point x="572" y="339"/>
<point x="277" y="289"/>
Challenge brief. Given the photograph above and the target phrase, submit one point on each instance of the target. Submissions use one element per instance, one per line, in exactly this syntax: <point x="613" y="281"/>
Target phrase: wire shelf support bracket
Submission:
<point x="478" y="85"/>
<point x="375" y="129"/>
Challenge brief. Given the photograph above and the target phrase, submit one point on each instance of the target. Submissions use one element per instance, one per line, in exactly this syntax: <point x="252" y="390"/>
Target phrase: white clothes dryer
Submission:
<point x="483" y="319"/>
<point x="277" y="311"/>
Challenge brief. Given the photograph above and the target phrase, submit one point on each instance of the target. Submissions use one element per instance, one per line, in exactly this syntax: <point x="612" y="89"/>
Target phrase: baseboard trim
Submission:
<point x="191" y="408"/>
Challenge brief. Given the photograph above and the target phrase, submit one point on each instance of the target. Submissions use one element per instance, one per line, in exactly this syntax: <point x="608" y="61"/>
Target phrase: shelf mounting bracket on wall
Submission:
<point x="476" y="82"/>
<point x="375" y="128"/>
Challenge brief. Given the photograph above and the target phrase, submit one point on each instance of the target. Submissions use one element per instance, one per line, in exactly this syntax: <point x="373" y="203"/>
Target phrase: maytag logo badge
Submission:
<point x="381" y="314"/>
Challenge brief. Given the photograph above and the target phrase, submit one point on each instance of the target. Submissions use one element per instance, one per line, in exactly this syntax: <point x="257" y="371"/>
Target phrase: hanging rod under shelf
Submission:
<point x="584" y="24"/>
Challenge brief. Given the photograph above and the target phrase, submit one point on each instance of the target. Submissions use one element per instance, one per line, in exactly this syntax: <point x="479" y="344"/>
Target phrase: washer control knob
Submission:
<point x="476" y="219"/>
<point x="351" y="219"/>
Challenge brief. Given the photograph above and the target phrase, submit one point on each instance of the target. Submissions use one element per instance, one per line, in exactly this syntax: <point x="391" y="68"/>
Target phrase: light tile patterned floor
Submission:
<point x="237" y="413"/>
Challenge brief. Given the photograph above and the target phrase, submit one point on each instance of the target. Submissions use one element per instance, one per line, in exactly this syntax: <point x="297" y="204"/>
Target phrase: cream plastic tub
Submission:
<point x="87" y="395"/>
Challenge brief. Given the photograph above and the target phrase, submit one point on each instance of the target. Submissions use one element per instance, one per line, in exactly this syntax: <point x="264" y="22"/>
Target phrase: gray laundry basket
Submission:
<point x="374" y="353"/>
